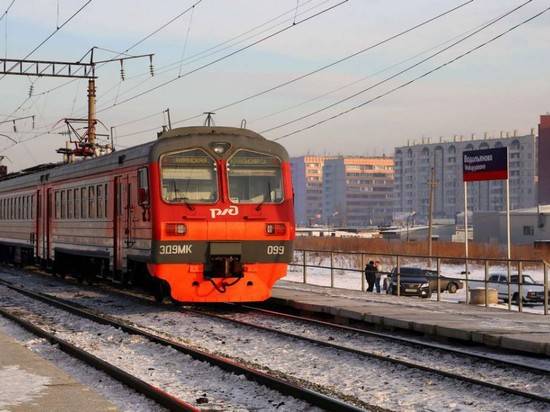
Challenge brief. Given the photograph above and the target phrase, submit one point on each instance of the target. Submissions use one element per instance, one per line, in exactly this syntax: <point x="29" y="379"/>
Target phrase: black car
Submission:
<point x="420" y="282"/>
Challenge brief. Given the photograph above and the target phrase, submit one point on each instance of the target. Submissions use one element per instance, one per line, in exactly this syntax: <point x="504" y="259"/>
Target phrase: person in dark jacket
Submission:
<point x="370" y="275"/>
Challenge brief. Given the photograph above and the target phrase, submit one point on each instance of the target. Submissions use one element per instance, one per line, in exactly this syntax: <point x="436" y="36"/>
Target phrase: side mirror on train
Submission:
<point x="143" y="197"/>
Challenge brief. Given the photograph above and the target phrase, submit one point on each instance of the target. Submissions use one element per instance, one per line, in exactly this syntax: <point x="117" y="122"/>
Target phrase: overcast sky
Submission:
<point x="503" y="86"/>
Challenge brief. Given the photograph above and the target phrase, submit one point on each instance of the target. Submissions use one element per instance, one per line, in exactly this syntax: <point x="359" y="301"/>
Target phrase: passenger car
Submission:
<point x="421" y="282"/>
<point x="531" y="291"/>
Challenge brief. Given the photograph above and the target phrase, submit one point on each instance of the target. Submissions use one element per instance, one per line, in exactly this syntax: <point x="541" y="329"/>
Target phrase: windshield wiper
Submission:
<point x="259" y="207"/>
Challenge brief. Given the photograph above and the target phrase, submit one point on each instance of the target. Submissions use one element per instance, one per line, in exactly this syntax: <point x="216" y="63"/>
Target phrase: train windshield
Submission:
<point x="189" y="177"/>
<point x="254" y="178"/>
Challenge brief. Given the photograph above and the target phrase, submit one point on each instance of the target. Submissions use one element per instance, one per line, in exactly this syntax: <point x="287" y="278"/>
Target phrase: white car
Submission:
<point x="531" y="291"/>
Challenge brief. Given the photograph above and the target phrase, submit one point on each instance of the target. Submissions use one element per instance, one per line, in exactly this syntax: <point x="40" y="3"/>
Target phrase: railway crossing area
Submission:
<point x="525" y="332"/>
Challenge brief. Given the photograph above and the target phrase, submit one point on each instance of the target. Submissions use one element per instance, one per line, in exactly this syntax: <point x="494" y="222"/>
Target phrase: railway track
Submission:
<point x="390" y="359"/>
<point x="132" y="382"/>
<point x="412" y="343"/>
<point x="284" y="387"/>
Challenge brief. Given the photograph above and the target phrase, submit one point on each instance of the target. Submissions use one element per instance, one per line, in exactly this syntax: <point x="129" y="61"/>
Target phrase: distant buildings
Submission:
<point x="544" y="156"/>
<point x="413" y="164"/>
<point x="307" y="179"/>
<point x="343" y="191"/>
<point x="356" y="192"/>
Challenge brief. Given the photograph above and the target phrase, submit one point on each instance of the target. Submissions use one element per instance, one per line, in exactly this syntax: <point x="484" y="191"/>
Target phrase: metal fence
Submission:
<point x="339" y="263"/>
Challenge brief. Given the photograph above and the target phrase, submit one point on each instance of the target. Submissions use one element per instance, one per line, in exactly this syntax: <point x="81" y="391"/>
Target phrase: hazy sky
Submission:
<point x="503" y="86"/>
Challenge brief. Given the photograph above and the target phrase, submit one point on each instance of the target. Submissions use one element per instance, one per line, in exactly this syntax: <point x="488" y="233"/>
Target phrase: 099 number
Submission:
<point x="275" y="250"/>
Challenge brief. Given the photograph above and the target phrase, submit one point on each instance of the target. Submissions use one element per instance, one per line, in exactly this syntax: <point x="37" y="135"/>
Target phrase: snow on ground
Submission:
<point x="118" y="394"/>
<point x="348" y="274"/>
<point x="20" y="386"/>
<point x="369" y="380"/>
<point x="164" y="367"/>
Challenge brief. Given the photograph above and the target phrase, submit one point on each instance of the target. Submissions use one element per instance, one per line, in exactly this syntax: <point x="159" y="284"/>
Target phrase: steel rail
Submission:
<point x="159" y="396"/>
<point x="284" y="387"/>
<point x="390" y="359"/>
<point x="402" y="339"/>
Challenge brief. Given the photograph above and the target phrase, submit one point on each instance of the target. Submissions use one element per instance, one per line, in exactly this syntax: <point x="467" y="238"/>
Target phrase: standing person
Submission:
<point x="370" y="275"/>
<point x="377" y="276"/>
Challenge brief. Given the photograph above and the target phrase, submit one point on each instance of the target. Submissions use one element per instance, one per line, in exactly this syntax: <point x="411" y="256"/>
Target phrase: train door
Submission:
<point x="122" y="223"/>
<point x="119" y="226"/>
<point x="47" y="224"/>
<point x="38" y="229"/>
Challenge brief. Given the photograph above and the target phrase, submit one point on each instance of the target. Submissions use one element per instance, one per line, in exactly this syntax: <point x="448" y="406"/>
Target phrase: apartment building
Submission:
<point x="357" y="191"/>
<point x="307" y="179"/>
<point x="413" y="164"/>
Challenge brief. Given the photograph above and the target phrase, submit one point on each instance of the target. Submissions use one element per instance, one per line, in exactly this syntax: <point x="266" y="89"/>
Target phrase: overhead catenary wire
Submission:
<point x="7" y="10"/>
<point x="224" y="57"/>
<point x="425" y="74"/>
<point x="334" y="63"/>
<point x="143" y="39"/>
<point x="399" y="73"/>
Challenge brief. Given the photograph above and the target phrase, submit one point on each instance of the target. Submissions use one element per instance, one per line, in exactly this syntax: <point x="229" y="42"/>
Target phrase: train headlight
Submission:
<point x="176" y="229"/>
<point x="275" y="229"/>
<point x="220" y="147"/>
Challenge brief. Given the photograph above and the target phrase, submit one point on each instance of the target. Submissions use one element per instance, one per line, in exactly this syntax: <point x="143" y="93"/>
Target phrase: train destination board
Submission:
<point x="485" y="164"/>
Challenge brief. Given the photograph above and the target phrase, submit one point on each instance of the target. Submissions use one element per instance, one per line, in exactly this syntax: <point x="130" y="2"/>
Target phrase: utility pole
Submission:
<point x="86" y="144"/>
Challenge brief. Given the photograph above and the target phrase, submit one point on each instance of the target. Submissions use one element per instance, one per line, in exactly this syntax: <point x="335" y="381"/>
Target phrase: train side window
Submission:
<point x="143" y="187"/>
<point x="18" y="207"/>
<point x="84" y="203"/>
<point x="63" y="204"/>
<point x="99" y="192"/>
<point x="77" y="203"/>
<point x="27" y="207"/>
<point x="70" y="204"/>
<point x="57" y="204"/>
<point x="91" y="202"/>
<point x="106" y="201"/>
<point x="32" y="207"/>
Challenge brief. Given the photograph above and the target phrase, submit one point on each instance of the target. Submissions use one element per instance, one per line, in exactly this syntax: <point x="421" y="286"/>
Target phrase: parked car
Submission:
<point x="531" y="291"/>
<point x="420" y="282"/>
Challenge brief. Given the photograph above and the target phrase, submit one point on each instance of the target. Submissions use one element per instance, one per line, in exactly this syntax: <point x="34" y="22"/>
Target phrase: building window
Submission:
<point x="528" y="230"/>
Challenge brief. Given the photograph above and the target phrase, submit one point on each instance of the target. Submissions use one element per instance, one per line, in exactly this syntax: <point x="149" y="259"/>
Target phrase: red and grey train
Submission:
<point x="205" y="214"/>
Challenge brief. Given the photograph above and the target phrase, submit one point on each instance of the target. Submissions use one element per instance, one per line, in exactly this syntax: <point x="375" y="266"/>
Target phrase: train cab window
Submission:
<point x="189" y="177"/>
<point x="254" y="178"/>
<point x="99" y="193"/>
<point x="91" y="202"/>
<point x="84" y="202"/>
<point x="143" y="187"/>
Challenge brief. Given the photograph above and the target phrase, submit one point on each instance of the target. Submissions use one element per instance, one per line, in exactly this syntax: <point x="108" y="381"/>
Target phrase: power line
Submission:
<point x="225" y="56"/>
<point x="226" y="45"/>
<point x="157" y="30"/>
<point x="409" y="68"/>
<point x="426" y="74"/>
<point x="7" y="10"/>
<point x="334" y="63"/>
<point x="362" y="79"/>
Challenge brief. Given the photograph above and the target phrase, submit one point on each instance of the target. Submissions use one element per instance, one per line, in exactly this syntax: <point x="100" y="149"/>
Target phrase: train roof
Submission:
<point x="167" y="141"/>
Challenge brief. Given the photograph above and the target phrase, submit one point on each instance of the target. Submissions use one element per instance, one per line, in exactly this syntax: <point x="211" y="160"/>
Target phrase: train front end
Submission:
<point x="223" y="218"/>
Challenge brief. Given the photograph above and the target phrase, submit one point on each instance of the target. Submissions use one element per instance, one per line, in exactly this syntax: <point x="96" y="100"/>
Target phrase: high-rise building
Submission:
<point x="357" y="191"/>
<point x="307" y="179"/>
<point x="544" y="163"/>
<point x="413" y="164"/>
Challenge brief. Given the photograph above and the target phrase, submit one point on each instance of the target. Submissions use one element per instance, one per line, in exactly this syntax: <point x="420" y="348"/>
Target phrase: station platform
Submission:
<point x="29" y="383"/>
<point x="525" y="332"/>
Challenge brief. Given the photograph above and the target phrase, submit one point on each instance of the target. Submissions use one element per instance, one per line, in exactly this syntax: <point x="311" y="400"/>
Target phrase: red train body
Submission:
<point x="203" y="214"/>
